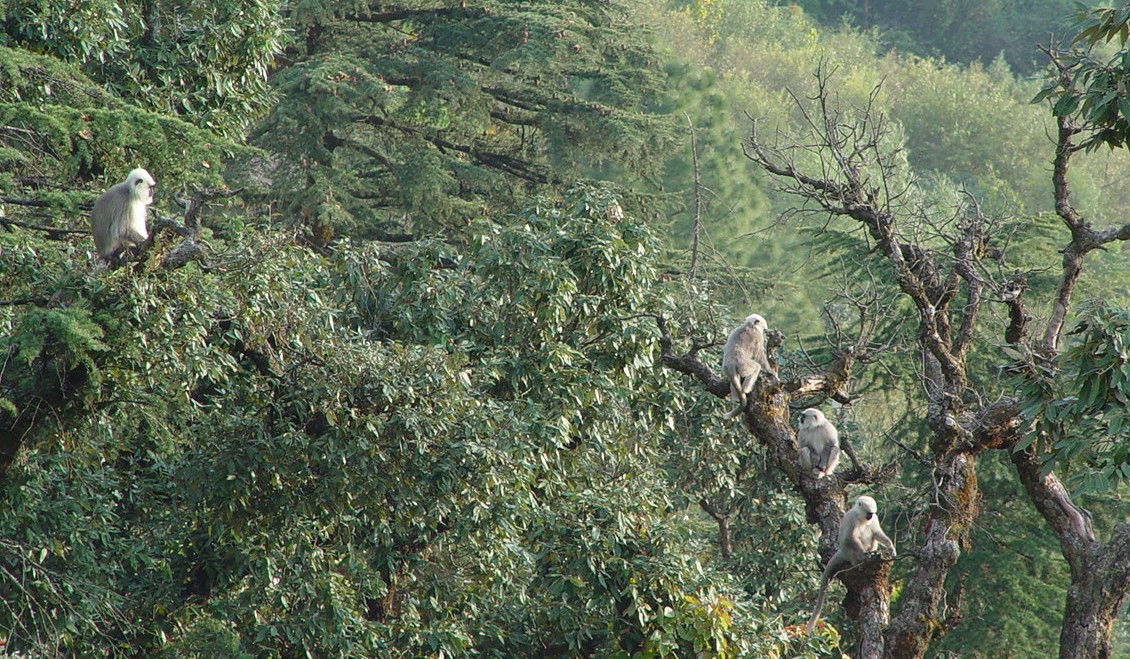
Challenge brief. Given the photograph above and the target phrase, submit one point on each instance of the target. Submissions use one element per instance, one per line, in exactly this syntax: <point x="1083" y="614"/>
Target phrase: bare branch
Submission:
<point x="53" y="233"/>
<point x="1083" y="237"/>
<point x="20" y="201"/>
<point x="912" y="267"/>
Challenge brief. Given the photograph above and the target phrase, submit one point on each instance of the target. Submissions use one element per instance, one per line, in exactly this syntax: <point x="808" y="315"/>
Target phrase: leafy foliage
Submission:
<point x="1080" y="405"/>
<point x="1091" y="86"/>
<point x="413" y="117"/>
<point x="64" y="138"/>
<point x="448" y="433"/>
<point x="959" y="30"/>
<point x="202" y="60"/>
<point x="305" y="486"/>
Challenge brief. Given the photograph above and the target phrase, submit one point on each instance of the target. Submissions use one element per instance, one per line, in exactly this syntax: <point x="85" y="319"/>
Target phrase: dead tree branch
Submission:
<point x="847" y="176"/>
<point x="853" y="179"/>
<point x="189" y="248"/>
<point x="1084" y="238"/>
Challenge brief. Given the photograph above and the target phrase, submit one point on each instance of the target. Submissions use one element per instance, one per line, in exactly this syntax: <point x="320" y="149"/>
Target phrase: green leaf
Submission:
<point x="1044" y="93"/>
<point x="1066" y="104"/>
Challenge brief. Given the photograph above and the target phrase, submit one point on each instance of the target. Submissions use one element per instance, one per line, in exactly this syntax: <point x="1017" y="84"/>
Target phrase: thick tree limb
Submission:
<point x="688" y="363"/>
<point x="1100" y="573"/>
<point x="53" y="233"/>
<point x="20" y="201"/>
<point x="36" y="300"/>
<point x="1012" y="293"/>
<point x="767" y="418"/>
<point x="1083" y="237"/>
<point x="947" y="522"/>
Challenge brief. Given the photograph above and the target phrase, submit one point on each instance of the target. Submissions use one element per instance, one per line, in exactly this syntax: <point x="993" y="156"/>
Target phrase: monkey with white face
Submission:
<point x="860" y="534"/>
<point x="118" y="220"/>
<point x="743" y="360"/>
<point x="819" y="443"/>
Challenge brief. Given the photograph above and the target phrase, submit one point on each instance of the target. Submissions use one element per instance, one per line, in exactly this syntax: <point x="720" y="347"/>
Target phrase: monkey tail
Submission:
<point x="819" y="604"/>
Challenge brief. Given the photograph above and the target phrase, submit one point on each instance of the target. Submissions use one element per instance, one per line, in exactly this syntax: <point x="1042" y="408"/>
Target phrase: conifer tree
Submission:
<point x="404" y="118"/>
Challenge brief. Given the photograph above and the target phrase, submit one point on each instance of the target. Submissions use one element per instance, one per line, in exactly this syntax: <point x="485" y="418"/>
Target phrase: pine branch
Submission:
<point x="500" y="161"/>
<point x="418" y="14"/>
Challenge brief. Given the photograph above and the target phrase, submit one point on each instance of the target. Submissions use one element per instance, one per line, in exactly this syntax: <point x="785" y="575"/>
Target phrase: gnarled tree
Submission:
<point x="950" y="269"/>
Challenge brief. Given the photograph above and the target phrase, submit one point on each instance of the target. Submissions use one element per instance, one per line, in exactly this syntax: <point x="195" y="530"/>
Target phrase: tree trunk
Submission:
<point x="724" y="536"/>
<point x="151" y="12"/>
<point x="1093" y="601"/>
<point x="871" y="607"/>
<point x="947" y="525"/>
<point x="1100" y="573"/>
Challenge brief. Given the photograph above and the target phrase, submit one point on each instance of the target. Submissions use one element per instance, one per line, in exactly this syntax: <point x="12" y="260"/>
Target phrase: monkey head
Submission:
<point x="141" y="185"/>
<point x="754" y="320"/>
<point x="811" y="417"/>
<point x="866" y="505"/>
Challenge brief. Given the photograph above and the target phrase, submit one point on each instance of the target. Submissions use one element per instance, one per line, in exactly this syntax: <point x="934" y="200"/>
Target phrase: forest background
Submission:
<point x="422" y="360"/>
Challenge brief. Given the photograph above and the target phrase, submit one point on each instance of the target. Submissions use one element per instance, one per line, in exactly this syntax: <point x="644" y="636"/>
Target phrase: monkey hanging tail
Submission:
<point x="819" y="605"/>
<point x="834" y="568"/>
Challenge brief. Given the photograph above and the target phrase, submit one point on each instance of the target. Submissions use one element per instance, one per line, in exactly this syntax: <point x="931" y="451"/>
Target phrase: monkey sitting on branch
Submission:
<point x="743" y="360"/>
<point x="819" y="443"/>
<point x="859" y="535"/>
<point x="118" y="220"/>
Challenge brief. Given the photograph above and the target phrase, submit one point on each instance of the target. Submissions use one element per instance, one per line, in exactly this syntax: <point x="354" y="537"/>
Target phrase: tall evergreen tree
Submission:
<point x="403" y="118"/>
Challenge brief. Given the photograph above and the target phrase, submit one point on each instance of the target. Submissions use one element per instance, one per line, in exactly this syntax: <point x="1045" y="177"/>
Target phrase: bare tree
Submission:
<point x="951" y="269"/>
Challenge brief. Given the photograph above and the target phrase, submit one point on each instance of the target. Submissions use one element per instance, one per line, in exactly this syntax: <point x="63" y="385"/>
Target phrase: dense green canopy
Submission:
<point x="410" y="118"/>
<point x="422" y="359"/>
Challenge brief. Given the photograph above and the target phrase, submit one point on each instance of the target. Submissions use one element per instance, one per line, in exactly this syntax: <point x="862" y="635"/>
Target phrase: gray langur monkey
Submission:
<point x="743" y="360"/>
<point x="819" y="443"/>
<point x="118" y="220"/>
<point x="860" y="534"/>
